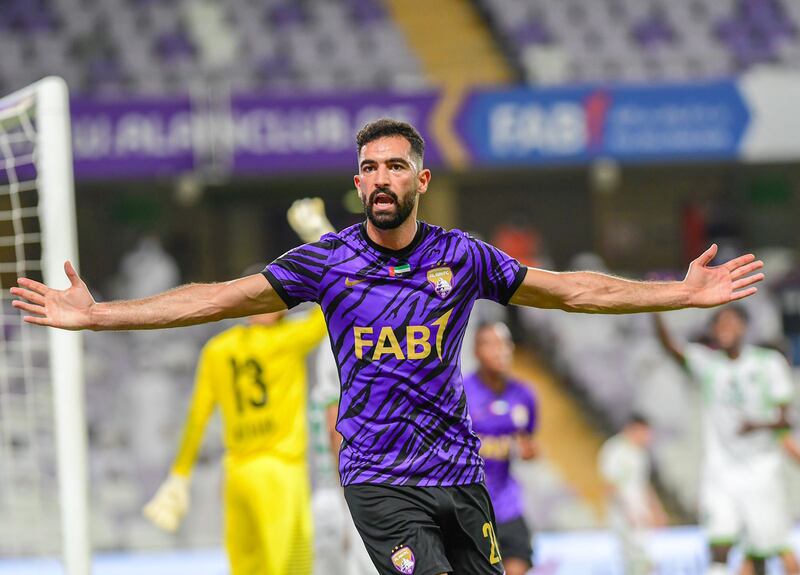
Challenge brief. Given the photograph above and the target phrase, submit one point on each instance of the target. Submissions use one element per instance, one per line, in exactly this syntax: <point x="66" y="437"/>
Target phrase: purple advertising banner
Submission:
<point x="317" y="133"/>
<point x="133" y="138"/>
<point x="256" y="135"/>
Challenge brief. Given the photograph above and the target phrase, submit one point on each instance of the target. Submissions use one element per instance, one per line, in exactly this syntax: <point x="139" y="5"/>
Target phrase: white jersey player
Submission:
<point x="632" y="505"/>
<point x="746" y="392"/>
<point x="338" y="550"/>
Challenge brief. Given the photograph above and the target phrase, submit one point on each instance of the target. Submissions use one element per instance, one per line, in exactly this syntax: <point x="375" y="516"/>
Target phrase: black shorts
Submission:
<point x="426" y="530"/>
<point x="514" y="538"/>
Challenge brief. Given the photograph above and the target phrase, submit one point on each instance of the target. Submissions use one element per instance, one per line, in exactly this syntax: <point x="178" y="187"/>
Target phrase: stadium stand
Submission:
<point x="554" y="41"/>
<point x="148" y="47"/>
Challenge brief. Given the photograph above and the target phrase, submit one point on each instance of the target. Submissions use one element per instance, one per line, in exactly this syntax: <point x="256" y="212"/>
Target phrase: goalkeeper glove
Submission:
<point x="308" y="220"/>
<point x="170" y="503"/>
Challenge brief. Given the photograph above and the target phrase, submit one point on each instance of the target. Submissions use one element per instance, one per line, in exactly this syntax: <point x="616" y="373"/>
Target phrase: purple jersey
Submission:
<point x="497" y="419"/>
<point x="396" y="321"/>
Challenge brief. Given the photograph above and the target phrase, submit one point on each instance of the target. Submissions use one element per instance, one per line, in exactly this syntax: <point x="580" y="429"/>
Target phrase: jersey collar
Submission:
<point x="402" y="252"/>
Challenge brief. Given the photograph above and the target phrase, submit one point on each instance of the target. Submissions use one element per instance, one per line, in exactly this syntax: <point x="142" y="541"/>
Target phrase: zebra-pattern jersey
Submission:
<point x="396" y="321"/>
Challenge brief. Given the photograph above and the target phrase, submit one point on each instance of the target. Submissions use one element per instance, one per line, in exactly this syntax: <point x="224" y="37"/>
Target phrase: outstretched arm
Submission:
<point x="590" y="292"/>
<point x="74" y="308"/>
<point x="665" y="339"/>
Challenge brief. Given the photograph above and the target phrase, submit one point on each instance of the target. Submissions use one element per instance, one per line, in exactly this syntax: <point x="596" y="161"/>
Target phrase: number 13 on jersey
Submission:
<point x="252" y="372"/>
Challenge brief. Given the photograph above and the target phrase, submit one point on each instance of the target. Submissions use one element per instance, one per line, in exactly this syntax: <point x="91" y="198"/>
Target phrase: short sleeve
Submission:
<point x="497" y="274"/>
<point x="610" y="465"/>
<point x="297" y="274"/>
<point x="699" y="359"/>
<point x="781" y="388"/>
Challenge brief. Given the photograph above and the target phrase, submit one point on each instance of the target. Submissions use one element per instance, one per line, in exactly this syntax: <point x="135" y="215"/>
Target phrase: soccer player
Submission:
<point x="746" y="392"/>
<point x="256" y="375"/>
<point x="503" y="413"/>
<point x="397" y="293"/>
<point x="633" y="506"/>
<point x="791" y="566"/>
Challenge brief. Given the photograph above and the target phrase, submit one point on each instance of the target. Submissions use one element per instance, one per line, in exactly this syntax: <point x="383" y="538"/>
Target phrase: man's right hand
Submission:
<point x="67" y="309"/>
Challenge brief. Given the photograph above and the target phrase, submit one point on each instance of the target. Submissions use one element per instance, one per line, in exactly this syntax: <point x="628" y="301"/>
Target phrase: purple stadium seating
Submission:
<point x="151" y="47"/>
<point x="562" y="41"/>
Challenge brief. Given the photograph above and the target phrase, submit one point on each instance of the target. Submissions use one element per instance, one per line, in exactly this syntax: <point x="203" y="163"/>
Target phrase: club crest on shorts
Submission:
<point x="441" y="279"/>
<point x="403" y="559"/>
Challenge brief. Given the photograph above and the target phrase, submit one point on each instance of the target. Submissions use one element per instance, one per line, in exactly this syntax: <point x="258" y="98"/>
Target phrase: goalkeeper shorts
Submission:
<point x="268" y="524"/>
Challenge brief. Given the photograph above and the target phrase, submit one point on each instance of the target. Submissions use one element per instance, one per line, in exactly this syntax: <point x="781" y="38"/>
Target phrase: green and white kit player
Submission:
<point x="338" y="549"/>
<point x="746" y="393"/>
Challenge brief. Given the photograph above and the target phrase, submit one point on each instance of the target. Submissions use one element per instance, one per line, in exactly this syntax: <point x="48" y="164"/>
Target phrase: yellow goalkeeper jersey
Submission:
<point x="257" y="376"/>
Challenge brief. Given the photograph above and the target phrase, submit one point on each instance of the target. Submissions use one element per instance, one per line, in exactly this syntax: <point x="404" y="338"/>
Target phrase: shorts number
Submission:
<point x="256" y="375"/>
<point x="494" y="554"/>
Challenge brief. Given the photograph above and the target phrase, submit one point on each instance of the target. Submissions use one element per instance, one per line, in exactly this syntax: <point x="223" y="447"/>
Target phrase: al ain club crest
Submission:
<point x="442" y="280"/>
<point x="403" y="560"/>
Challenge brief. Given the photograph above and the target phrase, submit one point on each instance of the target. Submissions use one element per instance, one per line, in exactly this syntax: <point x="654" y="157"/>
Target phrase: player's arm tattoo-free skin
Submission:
<point x="591" y="292"/>
<point x="74" y="308"/>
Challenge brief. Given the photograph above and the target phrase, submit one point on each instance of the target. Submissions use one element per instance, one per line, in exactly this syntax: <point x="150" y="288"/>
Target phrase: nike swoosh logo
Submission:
<point x="350" y="283"/>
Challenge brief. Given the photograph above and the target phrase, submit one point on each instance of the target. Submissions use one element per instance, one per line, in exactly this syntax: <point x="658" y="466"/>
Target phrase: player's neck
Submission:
<point x="734" y="352"/>
<point x="396" y="238"/>
<point x="496" y="382"/>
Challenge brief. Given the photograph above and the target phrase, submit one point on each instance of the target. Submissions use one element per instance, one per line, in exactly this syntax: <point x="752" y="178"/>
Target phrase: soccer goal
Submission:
<point x="43" y="461"/>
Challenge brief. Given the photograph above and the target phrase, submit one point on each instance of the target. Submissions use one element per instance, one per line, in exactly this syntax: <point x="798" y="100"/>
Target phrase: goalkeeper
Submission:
<point x="256" y="374"/>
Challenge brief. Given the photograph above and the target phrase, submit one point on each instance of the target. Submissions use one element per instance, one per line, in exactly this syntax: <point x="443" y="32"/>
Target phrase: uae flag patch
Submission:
<point x="399" y="270"/>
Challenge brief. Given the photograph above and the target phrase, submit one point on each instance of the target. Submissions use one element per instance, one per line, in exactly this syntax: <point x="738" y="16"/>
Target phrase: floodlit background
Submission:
<point x="614" y="135"/>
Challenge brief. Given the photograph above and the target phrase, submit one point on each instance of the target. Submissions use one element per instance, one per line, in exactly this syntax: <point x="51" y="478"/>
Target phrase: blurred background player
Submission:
<point x="787" y="556"/>
<point x="633" y="506"/>
<point x="503" y="413"/>
<point x="338" y="549"/>
<point x="746" y="391"/>
<point x="256" y="374"/>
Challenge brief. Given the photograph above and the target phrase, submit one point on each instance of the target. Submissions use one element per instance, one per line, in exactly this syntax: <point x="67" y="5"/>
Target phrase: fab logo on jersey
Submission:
<point x="417" y="341"/>
<point x="403" y="560"/>
<point x="442" y="280"/>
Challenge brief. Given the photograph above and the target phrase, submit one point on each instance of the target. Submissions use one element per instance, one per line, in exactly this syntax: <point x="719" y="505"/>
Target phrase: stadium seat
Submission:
<point x="630" y="40"/>
<point x="149" y="47"/>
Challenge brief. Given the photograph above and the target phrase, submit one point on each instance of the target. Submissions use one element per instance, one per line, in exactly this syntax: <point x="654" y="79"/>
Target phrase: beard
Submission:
<point x="389" y="221"/>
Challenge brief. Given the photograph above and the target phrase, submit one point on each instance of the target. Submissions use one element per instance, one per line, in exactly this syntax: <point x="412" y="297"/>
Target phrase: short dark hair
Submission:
<point x="736" y="308"/>
<point x="386" y="127"/>
<point x="488" y="324"/>
<point x="638" y="419"/>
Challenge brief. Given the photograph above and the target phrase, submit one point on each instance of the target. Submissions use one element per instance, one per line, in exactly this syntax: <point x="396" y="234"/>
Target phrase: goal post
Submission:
<point x="35" y="136"/>
<point x="60" y="243"/>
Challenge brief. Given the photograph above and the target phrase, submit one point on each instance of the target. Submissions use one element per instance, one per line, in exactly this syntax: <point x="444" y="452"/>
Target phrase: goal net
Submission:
<point x="43" y="500"/>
